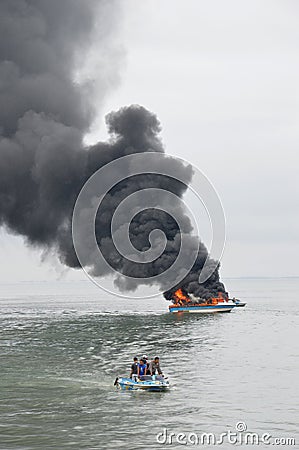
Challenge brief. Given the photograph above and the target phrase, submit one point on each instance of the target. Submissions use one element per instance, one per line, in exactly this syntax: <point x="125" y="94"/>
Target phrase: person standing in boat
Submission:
<point x="155" y="366"/>
<point x="145" y="359"/>
<point x="134" y="368"/>
<point x="141" y="368"/>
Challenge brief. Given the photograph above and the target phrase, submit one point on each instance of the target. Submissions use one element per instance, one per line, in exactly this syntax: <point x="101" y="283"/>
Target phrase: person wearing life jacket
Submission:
<point x="141" y="368"/>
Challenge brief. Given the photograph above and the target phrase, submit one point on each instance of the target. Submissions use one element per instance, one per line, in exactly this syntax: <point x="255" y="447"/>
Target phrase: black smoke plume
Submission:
<point x="44" y="116"/>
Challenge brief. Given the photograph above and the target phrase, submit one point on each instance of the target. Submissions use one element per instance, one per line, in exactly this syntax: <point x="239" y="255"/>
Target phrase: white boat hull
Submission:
<point x="206" y="309"/>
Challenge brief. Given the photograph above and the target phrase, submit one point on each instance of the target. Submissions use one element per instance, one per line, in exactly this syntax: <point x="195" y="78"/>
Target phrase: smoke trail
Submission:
<point x="44" y="115"/>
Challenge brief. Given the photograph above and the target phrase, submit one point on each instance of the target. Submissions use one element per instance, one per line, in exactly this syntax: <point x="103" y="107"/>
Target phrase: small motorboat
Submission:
<point x="188" y="303"/>
<point x="151" y="383"/>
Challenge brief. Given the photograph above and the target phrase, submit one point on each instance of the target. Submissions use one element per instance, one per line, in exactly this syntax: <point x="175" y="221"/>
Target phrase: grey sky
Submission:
<point x="222" y="78"/>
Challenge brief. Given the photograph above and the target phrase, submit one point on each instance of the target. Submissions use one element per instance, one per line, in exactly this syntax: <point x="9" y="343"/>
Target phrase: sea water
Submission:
<point x="63" y="344"/>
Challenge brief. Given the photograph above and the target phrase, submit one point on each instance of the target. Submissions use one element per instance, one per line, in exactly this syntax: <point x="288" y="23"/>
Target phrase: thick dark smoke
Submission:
<point x="44" y="115"/>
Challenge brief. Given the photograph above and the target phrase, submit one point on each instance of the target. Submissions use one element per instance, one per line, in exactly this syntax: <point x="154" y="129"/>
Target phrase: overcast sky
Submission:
<point x="223" y="79"/>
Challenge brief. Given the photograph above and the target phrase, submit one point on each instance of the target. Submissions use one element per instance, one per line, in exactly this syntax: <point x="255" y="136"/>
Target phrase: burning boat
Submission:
<point x="182" y="302"/>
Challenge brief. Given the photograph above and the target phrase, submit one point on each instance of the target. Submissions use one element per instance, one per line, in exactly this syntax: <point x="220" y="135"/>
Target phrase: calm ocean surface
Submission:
<point x="62" y="345"/>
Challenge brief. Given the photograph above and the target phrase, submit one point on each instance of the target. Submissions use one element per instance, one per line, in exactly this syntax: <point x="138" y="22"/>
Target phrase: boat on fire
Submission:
<point x="151" y="383"/>
<point x="183" y="303"/>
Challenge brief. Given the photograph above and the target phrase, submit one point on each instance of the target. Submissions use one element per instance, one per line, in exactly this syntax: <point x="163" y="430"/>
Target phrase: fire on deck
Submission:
<point x="191" y="304"/>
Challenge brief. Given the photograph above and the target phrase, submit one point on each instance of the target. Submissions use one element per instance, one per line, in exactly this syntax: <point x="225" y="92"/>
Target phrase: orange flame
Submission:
<point x="180" y="296"/>
<point x="222" y="297"/>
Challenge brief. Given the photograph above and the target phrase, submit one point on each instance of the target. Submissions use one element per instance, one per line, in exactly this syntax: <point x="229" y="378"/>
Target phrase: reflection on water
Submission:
<point x="60" y="356"/>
